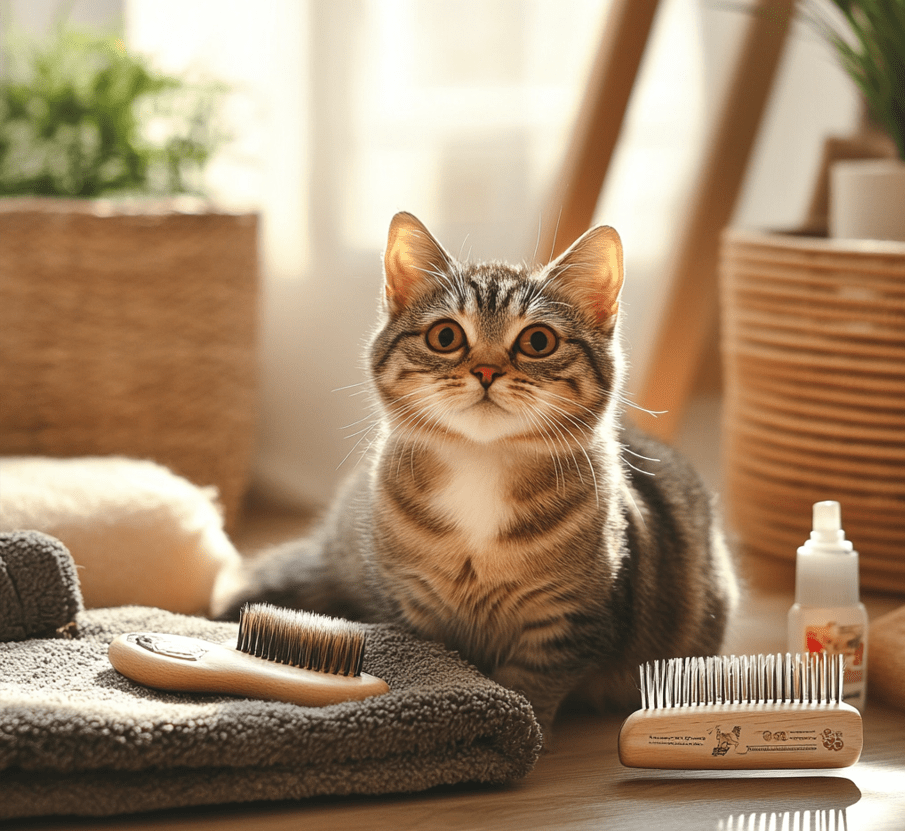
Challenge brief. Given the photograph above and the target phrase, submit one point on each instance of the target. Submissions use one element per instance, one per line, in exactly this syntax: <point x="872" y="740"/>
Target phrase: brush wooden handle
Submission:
<point x="181" y="664"/>
<point x="742" y="737"/>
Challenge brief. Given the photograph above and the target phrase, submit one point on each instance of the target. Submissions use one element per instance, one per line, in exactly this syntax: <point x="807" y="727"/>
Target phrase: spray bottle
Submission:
<point x="827" y="615"/>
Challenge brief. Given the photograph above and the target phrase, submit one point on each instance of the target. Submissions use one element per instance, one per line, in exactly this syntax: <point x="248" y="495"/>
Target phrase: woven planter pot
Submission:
<point x="814" y="352"/>
<point x="129" y="328"/>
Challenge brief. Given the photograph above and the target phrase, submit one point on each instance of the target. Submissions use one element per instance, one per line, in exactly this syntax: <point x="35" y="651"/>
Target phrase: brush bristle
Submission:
<point x="301" y="639"/>
<point x="746" y="679"/>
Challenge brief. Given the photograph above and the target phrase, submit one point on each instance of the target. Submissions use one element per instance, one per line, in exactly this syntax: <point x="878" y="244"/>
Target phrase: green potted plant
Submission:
<point x="128" y="299"/>
<point x="83" y="117"/>
<point x="867" y="197"/>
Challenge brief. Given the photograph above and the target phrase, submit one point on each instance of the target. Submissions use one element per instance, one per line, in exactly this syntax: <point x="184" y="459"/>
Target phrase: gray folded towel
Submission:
<point x="76" y="737"/>
<point x="39" y="587"/>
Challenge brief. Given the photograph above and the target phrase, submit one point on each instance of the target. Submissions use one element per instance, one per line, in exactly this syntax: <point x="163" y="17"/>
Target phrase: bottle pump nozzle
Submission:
<point x="827" y="526"/>
<point x="827" y="516"/>
<point x="827" y="570"/>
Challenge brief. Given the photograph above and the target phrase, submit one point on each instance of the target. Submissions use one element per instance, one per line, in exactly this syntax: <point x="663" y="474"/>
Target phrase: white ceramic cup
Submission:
<point x="867" y="199"/>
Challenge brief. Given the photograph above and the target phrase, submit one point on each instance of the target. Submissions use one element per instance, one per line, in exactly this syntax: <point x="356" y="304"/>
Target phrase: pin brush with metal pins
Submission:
<point x="756" y="712"/>
<point x="280" y="655"/>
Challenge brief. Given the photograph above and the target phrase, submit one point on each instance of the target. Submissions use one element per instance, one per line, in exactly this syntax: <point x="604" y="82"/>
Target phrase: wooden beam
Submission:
<point x="571" y="209"/>
<point x="691" y="313"/>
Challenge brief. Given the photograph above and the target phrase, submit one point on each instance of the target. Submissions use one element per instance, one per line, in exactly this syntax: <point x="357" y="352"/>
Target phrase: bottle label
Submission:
<point x="833" y="639"/>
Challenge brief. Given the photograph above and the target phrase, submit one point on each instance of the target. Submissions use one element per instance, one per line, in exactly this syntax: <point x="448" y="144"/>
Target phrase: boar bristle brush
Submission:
<point x="281" y="655"/>
<point x="748" y="712"/>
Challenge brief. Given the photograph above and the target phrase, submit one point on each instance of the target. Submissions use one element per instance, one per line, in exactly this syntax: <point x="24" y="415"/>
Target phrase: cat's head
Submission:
<point x="488" y="351"/>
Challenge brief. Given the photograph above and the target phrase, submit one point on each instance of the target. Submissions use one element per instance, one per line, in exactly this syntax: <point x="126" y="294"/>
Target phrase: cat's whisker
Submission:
<point x="449" y="277"/>
<point x="559" y="428"/>
<point x="360" y="440"/>
<point x="372" y="408"/>
<point x="429" y="422"/>
<point x="530" y="414"/>
<point x="377" y="405"/>
<point x="363" y="430"/>
<point x="399" y="446"/>
<point x="540" y="222"/>
<point x="622" y="398"/>
<point x="572" y="401"/>
<point x="577" y="422"/>
<point x="638" y="469"/>
<point x="573" y="419"/>
<point x="403" y="428"/>
<point x="628" y="449"/>
<point x="351" y="386"/>
<point x="525" y="299"/>
<point x="537" y="308"/>
<point x="405" y="417"/>
<point x="426" y="411"/>
<point x="557" y="465"/>
<point x="539" y="302"/>
<point x="430" y="398"/>
<point x="364" y="453"/>
<point x="415" y="416"/>
<point x="416" y="436"/>
<point x="638" y="512"/>
<point x="539" y="288"/>
<point x="555" y="232"/>
<point x="463" y="245"/>
<point x="581" y="424"/>
<point x="440" y="276"/>
<point x="372" y="414"/>
<point x="593" y="476"/>
<point x="556" y="274"/>
<point x="588" y="459"/>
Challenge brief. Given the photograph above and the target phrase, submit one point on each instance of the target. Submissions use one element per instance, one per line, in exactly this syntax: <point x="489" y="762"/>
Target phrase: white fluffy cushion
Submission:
<point x="138" y="533"/>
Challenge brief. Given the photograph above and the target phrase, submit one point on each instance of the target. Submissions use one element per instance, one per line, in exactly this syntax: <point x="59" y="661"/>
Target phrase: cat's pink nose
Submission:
<point x="487" y="374"/>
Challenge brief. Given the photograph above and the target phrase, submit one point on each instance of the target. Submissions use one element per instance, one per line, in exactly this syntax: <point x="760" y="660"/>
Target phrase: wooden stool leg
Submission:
<point x="580" y="181"/>
<point x="691" y="313"/>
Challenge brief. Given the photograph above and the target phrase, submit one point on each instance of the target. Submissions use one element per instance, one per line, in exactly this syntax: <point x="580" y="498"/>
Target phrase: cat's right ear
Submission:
<point x="412" y="262"/>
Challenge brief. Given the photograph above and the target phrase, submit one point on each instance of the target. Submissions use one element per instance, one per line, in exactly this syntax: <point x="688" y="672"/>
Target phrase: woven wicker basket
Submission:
<point x="130" y="328"/>
<point x="814" y="409"/>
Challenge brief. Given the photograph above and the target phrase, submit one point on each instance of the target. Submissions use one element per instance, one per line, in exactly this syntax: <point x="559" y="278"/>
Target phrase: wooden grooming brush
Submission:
<point x="281" y="655"/>
<point x="753" y="712"/>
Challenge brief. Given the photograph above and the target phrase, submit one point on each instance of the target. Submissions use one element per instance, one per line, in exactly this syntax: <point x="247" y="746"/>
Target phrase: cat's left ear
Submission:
<point x="412" y="262"/>
<point x="591" y="272"/>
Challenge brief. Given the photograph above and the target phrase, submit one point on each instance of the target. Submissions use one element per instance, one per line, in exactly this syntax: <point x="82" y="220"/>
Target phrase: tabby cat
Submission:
<point x="503" y="509"/>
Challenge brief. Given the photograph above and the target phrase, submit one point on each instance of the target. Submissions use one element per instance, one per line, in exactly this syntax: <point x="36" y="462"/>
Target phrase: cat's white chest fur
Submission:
<point x="473" y="494"/>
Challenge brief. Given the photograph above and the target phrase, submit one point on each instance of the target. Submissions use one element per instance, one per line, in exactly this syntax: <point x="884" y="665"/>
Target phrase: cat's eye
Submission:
<point x="445" y="336"/>
<point x="537" y="341"/>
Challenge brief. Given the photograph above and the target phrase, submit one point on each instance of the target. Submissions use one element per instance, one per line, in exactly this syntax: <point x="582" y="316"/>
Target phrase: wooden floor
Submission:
<point x="581" y="784"/>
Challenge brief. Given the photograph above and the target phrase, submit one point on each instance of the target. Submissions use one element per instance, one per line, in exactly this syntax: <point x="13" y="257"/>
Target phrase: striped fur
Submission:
<point x="496" y="511"/>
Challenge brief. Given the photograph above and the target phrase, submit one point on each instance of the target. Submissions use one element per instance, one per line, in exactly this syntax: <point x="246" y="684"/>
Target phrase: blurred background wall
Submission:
<point x="345" y="111"/>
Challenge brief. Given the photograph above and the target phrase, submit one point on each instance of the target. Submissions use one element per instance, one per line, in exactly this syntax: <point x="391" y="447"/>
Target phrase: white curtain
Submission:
<point x="346" y="111"/>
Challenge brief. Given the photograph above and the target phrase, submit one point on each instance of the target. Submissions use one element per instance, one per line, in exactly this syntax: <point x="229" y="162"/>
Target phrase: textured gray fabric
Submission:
<point x="39" y="587"/>
<point x="76" y="737"/>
